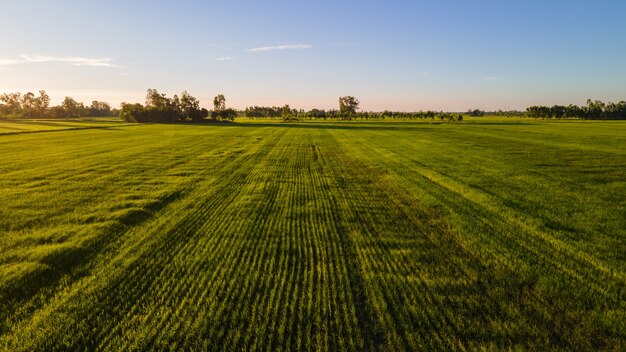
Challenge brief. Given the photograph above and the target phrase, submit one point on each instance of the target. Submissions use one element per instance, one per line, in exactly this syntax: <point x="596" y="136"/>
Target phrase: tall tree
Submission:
<point x="28" y="104"/>
<point x="188" y="103"/>
<point x="156" y="100"/>
<point x="285" y="111"/>
<point x="12" y="103"/>
<point x="595" y="109"/>
<point x="348" y="105"/>
<point x="71" y="108"/>
<point x="42" y="103"/>
<point x="219" y="103"/>
<point x="99" y="109"/>
<point x="174" y="104"/>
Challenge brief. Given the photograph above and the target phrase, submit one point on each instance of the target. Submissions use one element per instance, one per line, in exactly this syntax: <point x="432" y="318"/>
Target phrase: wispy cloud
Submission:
<point x="492" y="78"/>
<point x="7" y="62"/>
<point x="225" y="58"/>
<point x="72" y="60"/>
<point x="425" y="74"/>
<point x="280" y="47"/>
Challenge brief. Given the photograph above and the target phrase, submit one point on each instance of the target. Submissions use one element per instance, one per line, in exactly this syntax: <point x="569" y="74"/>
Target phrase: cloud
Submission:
<point x="7" y="62"/>
<point x="225" y="58"/>
<point x="73" y="60"/>
<point x="425" y="74"/>
<point x="492" y="78"/>
<point x="280" y="47"/>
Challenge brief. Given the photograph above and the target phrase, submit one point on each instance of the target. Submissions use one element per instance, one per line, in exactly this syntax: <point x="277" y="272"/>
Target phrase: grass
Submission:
<point x="42" y="125"/>
<point x="488" y="234"/>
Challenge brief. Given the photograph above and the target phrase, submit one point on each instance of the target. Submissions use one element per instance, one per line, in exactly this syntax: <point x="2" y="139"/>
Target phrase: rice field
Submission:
<point x="345" y="236"/>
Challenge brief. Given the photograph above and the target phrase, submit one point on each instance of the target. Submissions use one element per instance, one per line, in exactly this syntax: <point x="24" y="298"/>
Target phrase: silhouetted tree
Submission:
<point x="28" y="104"/>
<point x="475" y="113"/>
<point x="219" y="103"/>
<point x="220" y="112"/>
<point x="12" y="103"/>
<point x="42" y="103"/>
<point x="348" y="105"/>
<point x="160" y="108"/>
<point x="71" y="107"/>
<point x="156" y="99"/>
<point x="133" y="113"/>
<point x="99" y="109"/>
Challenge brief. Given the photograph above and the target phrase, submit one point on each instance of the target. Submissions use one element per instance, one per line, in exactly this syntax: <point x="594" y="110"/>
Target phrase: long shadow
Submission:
<point x="391" y="126"/>
<point x="74" y="262"/>
<point x="363" y="125"/>
<point x="65" y="129"/>
<point x="512" y="123"/>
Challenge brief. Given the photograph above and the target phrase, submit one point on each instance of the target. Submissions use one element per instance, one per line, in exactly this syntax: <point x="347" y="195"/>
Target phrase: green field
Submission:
<point x="32" y="125"/>
<point x="487" y="234"/>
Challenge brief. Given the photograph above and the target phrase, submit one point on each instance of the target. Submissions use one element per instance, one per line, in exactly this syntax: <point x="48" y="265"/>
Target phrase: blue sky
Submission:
<point x="397" y="55"/>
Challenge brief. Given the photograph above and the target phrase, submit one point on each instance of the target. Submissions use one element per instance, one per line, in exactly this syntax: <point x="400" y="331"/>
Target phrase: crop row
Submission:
<point x="317" y="238"/>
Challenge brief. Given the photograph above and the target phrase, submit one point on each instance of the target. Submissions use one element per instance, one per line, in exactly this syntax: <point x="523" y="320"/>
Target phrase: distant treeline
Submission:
<point x="160" y="108"/>
<point x="595" y="110"/>
<point x="186" y="108"/>
<point x="29" y="105"/>
<point x="287" y="113"/>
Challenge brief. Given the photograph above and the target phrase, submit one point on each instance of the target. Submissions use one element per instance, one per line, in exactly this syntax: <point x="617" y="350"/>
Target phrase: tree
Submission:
<point x="538" y="111"/>
<point x="316" y="114"/>
<point x="156" y="100"/>
<point x="285" y="111"/>
<point x="574" y="111"/>
<point x="42" y="103"/>
<point x="616" y="110"/>
<point x="558" y="111"/>
<point x="161" y="109"/>
<point x="595" y="109"/>
<point x="99" y="109"/>
<point x="175" y="103"/>
<point x="229" y="114"/>
<point x="12" y="103"/>
<point x="190" y="108"/>
<point x="133" y="113"/>
<point x="220" y="112"/>
<point x="188" y="104"/>
<point x="263" y="111"/>
<point x="28" y="104"/>
<point x="57" y="112"/>
<point x="219" y="103"/>
<point x="198" y="115"/>
<point x="476" y="113"/>
<point x="348" y="105"/>
<point x="71" y="107"/>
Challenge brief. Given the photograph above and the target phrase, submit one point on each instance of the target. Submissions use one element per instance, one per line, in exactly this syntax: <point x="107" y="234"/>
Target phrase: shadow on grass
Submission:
<point x="110" y="128"/>
<point x="500" y="123"/>
<point x="348" y="125"/>
<point x="390" y="125"/>
<point x="72" y="264"/>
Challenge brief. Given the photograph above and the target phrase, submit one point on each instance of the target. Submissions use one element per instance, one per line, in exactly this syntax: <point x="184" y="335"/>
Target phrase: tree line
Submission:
<point x="29" y="105"/>
<point x="348" y="106"/>
<point x="186" y="108"/>
<point x="594" y="110"/>
<point x="286" y="113"/>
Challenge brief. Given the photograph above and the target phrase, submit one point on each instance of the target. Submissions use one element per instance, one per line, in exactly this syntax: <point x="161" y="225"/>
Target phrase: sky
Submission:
<point x="450" y="55"/>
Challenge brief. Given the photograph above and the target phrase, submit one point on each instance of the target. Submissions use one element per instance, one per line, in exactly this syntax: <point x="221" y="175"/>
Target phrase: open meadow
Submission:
<point x="341" y="236"/>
